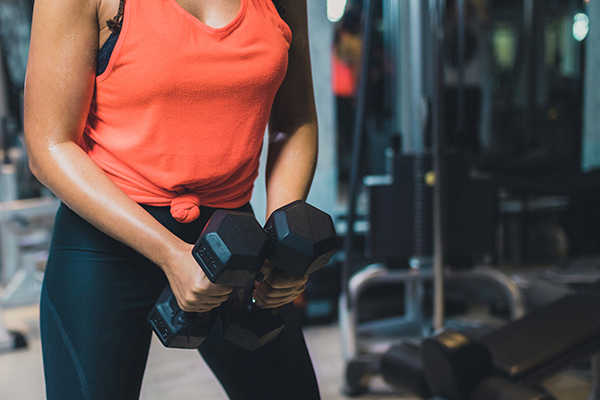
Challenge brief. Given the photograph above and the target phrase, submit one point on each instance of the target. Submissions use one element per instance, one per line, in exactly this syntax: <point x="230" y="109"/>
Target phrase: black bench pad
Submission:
<point x="548" y="339"/>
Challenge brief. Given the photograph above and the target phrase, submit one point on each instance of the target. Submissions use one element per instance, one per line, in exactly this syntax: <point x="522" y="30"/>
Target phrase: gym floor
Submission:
<point x="177" y="374"/>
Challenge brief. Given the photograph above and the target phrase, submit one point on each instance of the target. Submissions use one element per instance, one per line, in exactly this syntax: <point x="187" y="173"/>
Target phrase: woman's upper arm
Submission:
<point x="60" y="72"/>
<point x="294" y="104"/>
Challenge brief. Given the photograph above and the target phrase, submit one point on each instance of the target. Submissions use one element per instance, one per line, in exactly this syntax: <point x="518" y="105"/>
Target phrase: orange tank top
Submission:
<point x="179" y="115"/>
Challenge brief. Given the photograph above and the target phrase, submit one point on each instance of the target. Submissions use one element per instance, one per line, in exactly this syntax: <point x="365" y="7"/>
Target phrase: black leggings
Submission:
<point x="96" y="296"/>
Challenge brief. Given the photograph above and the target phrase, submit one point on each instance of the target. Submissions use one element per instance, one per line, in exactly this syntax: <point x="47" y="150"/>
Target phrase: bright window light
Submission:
<point x="335" y="9"/>
<point x="581" y="26"/>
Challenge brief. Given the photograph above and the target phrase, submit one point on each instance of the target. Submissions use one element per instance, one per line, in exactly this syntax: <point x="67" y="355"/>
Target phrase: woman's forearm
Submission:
<point x="59" y="87"/>
<point x="69" y="172"/>
<point x="291" y="164"/>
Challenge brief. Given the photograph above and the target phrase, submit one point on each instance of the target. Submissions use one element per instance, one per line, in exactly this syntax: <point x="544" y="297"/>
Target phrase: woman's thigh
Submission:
<point x="281" y="369"/>
<point x="96" y="296"/>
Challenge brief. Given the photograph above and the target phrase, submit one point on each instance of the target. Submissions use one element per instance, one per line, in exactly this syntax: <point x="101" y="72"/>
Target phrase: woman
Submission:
<point x="141" y="150"/>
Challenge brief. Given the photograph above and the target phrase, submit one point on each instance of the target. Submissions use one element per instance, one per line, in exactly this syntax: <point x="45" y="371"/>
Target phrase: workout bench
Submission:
<point x="505" y="364"/>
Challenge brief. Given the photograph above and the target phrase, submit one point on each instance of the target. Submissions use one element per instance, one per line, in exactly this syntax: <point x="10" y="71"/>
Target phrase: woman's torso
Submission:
<point x="184" y="102"/>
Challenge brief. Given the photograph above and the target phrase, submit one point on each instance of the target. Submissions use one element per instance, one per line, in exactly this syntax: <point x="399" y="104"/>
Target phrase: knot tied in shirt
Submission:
<point x="185" y="208"/>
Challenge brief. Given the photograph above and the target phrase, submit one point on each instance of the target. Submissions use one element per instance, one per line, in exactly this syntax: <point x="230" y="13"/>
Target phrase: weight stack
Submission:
<point x="401" y="213"/>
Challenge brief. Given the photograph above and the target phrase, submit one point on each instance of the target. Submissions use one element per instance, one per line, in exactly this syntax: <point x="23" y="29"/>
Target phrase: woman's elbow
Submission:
<point x="33" y="167"/>
<point x="34" y="164"/>
<point x="35" y="156"/>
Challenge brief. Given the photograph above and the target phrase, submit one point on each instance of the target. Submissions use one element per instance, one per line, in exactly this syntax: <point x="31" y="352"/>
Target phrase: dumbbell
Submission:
<point x="454" y="364"/>
<point x="231" y="250"/>
<point x="458" y="367"/>
<point x="303" y="240"/>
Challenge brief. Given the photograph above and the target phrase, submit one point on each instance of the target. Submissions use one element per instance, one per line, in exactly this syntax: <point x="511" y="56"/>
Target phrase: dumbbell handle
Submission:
<point x="167" y="318"/>
<point x="180" y="316"/>
<point x="240" y="310"/>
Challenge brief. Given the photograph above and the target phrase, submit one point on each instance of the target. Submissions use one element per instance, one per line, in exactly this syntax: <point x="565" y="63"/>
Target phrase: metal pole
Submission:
<point x="460" y="89"/>
<point x="410" y="73"/>
<point x="529" y="46"/>
<point x="361" y="102"/>
<point x="436" y="10"/>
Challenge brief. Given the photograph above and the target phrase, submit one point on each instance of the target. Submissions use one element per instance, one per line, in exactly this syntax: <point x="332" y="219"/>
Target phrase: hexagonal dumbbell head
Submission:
<point x="232" y="248"/>
<point x="303" y="238"/>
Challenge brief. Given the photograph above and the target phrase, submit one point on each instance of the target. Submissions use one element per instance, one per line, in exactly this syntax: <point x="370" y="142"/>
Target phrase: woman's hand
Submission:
<point x="278" y="287"/>
<point x="192" y="289"/>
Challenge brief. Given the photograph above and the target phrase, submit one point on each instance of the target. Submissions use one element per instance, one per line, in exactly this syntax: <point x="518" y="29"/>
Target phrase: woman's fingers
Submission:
<point x="278" y="289"/>
<point x="266" y="271"/>
<point x="193" y="290"/>
<point x="274" y="302"/>
<point x="203" y="302"/>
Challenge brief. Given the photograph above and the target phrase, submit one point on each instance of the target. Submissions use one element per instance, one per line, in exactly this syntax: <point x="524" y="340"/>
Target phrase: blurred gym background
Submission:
<point x="460" y="159"/>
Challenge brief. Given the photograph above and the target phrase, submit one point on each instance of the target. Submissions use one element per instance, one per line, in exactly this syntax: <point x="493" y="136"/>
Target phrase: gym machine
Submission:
<point x="407" y="188"/>
<point x="394" y="235"/>
<point x="369" y="348"/>
<point x="366" y="341"/>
